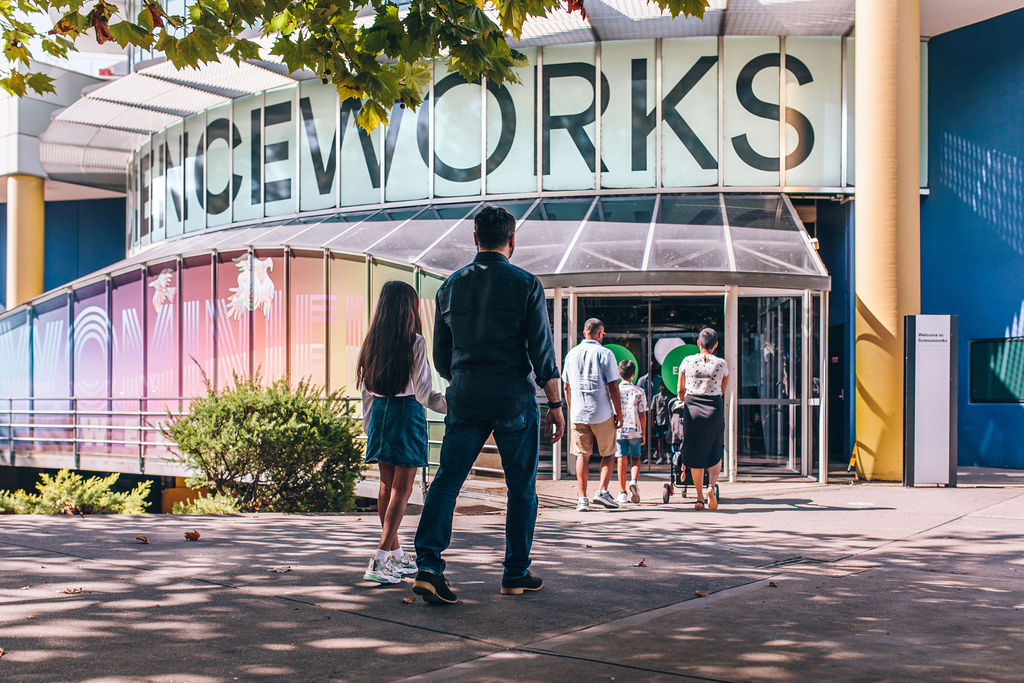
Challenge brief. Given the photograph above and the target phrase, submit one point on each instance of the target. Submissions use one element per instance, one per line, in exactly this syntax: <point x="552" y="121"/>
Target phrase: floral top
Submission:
<point x="704" y="374"/>
<point x="634" y="404"/>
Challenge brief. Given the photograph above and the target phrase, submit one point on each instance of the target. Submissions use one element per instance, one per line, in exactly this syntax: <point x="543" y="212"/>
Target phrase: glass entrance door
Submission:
<point x="769" y="390"/>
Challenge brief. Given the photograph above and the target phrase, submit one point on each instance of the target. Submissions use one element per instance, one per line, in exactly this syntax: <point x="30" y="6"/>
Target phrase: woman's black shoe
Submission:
<point x="517" y="586"/>
<point x="434" y="588"/>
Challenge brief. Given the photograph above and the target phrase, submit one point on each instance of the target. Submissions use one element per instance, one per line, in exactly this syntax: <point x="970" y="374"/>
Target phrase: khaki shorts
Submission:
<point x="585" y="436"/>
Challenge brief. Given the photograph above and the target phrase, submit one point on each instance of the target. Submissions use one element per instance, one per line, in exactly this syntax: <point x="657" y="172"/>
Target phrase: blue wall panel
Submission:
<point x="972" y="224"/>
<point x="81" y="237"/>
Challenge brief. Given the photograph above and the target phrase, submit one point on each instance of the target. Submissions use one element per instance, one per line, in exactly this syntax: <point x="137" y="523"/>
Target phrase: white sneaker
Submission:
<point x="623" y="498"/>
<point x="382" y="572"/>
<point x="605" y="499"/>
<point x="583" y="505"/>
<point x="405" y="565"/>
<point x="634" y="492"/>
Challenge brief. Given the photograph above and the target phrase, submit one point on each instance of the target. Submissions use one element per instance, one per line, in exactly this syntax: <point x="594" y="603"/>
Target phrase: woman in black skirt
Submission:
<point x="396" y="383"/>
<point x="702" y="381"/>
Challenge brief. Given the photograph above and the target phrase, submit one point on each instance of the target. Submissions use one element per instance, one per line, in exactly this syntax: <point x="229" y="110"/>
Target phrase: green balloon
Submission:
<point x="621" y="353"/>
<point x="670" y="368"/>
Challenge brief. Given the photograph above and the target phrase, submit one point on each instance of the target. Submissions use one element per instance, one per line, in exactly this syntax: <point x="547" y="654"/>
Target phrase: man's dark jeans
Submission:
<point x="518" y="441"/>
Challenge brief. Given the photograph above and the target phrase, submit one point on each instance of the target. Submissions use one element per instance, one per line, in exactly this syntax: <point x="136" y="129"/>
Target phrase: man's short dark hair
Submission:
<point x="707" y="339"/>
<point x="592" y="325"/>
<point x="494" y="227"/>
<point x="627" y="369"/>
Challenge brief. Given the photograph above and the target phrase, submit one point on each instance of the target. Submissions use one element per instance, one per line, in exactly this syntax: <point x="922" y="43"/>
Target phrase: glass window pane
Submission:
<point x="511" y="140"/>
<point x="372" y="229"/>
<point x="247" y="117"/>
<point x="689" y="234"/>
<point x="614" y="237"/>
<point x="309" y="313"/>
<point x="347" y="296"/>
<point x="14" y="380"/>
<point x="694" y="162"/>
<point x="194" y="141"/>
<point x="50" y="372"/>
<point x="197" y="303"/>
<point x="752" y="141"/>
<point x="627" y="137"/>
<point x="568" y="160"/>
<point x="759" y="211"/>
<point x="92" y="340"/>
<point x="266" y="280"/>
<point x="279" y="186"/>
<point x="175" y="180"/>
<point x="456" y="111"/>
<point x="415" y="236"/>
<point x="218" y="166"/>
<point x="233" y="311"/>
<point x="126" y="376"/>
<point x="162" y="332"/>
<point x="814" y="88"/>
<point x="360" y="158"/>
<point x="327" y="228"/>
<point x="771" y="251"/>
<point x="318" y="153"/>
<point x="543" y="237"/>
<point x="406" y="174"/>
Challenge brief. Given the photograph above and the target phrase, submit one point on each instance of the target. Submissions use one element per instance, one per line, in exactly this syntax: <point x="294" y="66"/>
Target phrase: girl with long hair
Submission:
<point x="396" y="383"/>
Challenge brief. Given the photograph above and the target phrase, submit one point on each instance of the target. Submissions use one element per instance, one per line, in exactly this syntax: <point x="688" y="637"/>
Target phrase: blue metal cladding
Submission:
<point x="972" y="224"/>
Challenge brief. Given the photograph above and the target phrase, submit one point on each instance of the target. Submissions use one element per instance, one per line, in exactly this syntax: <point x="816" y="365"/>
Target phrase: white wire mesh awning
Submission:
<point x="647" y="240"/>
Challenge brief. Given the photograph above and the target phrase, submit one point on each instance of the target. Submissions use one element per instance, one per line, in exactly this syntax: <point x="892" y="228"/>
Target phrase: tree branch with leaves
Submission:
<point x="374" y="51"/>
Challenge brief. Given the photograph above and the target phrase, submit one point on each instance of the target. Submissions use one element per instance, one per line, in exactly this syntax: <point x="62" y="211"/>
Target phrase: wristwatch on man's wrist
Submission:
<point x="554" y="404"/>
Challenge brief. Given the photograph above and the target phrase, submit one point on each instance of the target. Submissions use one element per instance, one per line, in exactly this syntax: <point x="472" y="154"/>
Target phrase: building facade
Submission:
<point x="664" y="183"/>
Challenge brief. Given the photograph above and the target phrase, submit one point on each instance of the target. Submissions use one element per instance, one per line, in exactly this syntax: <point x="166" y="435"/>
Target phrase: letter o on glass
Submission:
<point x="508" y="131"/>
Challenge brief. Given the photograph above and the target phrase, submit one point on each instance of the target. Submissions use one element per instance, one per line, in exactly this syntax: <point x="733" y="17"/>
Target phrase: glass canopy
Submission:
<point x="570" y="241"/>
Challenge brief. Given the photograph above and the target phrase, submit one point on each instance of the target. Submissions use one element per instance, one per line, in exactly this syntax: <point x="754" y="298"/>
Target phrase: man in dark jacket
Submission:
<point x="491" y="330"/>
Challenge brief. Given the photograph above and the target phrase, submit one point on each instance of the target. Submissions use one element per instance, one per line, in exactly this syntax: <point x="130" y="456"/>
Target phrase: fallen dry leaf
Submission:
<point x="31" y="616"/>
<point x="142" y="539"/>
<point x="701" y="594"/>
<point x="408" y="600"/>
<point x="42" y="566"/>
<point x="589" y="546"/>
<point x="192" y="535"/>
<point x="24" y="588"/>
<point x="641" y="563"/>
<point x="279" y="570"/>
<point x="70" y="591"/>
<point x="772" y="584"/>
<point x="359" y="519"/>
<point x="1" y="652"/>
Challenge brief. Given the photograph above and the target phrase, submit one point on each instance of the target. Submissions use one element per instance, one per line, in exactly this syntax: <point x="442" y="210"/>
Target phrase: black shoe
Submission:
<point x="517" y="586"/>
<point x="434" y="588"/>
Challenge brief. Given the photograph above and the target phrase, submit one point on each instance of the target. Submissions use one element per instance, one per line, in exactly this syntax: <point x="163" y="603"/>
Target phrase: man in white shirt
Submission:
<point x="591" y="378"/>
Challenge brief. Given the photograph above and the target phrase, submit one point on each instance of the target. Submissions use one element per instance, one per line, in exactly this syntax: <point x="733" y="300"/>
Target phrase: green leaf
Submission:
<point x="372" y="115"/>
<point x="126" y="33"/>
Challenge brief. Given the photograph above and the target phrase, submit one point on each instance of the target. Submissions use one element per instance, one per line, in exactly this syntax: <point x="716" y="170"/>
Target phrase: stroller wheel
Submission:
<point x="666" y="493"/>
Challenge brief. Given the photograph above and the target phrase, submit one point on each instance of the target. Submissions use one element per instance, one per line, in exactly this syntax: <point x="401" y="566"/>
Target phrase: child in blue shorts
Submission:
<point x="632" y="434"/>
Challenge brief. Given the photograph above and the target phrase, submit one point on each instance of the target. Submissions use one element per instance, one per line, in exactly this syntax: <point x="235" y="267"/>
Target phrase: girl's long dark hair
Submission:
<point x="385" y="361"/>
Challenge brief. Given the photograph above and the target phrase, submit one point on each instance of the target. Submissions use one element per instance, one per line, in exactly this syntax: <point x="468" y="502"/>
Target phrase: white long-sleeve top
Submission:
<point x="421" y="384"/>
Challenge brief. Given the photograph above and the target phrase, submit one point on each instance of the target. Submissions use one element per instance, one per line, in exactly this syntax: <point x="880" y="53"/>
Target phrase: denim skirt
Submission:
<point x="396" y="432"/>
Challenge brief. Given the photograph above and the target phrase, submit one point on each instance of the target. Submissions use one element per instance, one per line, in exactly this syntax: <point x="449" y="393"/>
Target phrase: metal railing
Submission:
<point x="62" y="431"/>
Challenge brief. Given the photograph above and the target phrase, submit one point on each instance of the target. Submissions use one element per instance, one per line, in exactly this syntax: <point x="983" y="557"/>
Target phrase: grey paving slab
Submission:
<point x="878" y="624"/>
<point x="850" y="562"/>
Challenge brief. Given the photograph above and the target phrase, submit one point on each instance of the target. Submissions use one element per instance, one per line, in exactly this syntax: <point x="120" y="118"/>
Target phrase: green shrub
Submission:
<point x="217" y="504"/>
<point x="275" y="448"/>
<point x="68" y="493"/>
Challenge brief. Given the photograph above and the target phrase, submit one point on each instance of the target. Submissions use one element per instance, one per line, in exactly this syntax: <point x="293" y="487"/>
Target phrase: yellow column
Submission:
<point x="25" y="208"/>
<point x="887" y="229"/>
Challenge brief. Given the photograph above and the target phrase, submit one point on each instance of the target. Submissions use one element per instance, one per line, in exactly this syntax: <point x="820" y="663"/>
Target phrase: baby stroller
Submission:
<point x="679" y="475"/>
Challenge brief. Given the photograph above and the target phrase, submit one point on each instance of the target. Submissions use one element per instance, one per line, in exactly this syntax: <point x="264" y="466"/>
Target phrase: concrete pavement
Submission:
<point x="851" y="582"/>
